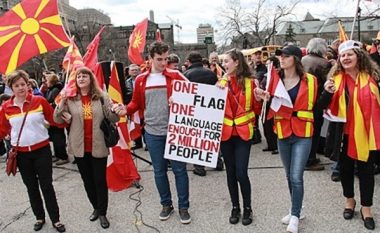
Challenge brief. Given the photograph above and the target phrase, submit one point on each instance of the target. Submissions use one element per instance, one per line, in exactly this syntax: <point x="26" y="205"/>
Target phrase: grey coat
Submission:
<point x="76" y="134"/>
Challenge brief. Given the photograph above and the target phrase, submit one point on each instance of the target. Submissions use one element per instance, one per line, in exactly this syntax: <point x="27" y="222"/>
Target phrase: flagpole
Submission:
<point x="353" y="23"/>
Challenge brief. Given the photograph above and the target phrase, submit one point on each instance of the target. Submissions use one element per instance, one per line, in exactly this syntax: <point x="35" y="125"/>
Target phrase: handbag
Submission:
<point x="110" y="131"/>
<point x="11" y="166"/>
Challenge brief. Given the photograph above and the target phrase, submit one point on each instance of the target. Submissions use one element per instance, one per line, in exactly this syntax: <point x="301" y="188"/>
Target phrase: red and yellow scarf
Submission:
<point x="364" y="129"/>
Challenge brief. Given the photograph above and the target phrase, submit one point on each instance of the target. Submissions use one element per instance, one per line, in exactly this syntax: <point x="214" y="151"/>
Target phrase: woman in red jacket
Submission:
<point x="239" y="121"/>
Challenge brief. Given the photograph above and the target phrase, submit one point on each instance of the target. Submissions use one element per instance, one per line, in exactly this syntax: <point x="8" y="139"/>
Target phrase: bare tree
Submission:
<point x="259" y="22"/>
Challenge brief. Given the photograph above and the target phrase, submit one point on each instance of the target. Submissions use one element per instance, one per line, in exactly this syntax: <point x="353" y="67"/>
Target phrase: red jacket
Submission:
<point x="138" y="99"/>
<point x="34" y="131"/>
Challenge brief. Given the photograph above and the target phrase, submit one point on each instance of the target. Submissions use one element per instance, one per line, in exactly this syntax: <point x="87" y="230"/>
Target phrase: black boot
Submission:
<point x="247" y="216"/>
<point x="235" y="215"/>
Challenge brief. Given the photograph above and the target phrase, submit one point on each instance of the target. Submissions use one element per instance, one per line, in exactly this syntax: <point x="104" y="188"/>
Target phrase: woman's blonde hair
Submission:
<point x="95" y="91"/>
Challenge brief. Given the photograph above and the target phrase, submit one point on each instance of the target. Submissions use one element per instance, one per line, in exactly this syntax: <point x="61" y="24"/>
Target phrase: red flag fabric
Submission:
<point x="100" y="77"/>
<point x="90" y="59"/>
<point x="137" y="42"/>
<point x="281" y="99"/>
<point x="373" y="49"/>
<point x="363" y="129"/>
<point x="71" y="62"/>
<point x="30" y="28"/>
<point x="121" y="170"/>
<point x="135" y="126"/>
<point x="158" y="35"/>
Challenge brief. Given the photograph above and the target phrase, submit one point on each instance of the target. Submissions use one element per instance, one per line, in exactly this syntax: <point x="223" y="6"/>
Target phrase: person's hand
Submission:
<point x="332" y="62"/>
<point x="170" y="100"/>
<point x="119" y="109"/>
<point x="330" y="85"/>
<point x="66" y="117"/>
<point x="8" y="137"/>
<point x="261" y="94"/>
<point x="63" y="95"/>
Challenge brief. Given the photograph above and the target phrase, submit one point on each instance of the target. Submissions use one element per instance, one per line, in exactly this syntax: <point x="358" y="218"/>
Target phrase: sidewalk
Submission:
<point x="209" y="201"/>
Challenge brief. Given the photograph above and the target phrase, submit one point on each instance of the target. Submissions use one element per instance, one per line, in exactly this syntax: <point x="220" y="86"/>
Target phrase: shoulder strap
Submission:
<point x="23" y="123"/>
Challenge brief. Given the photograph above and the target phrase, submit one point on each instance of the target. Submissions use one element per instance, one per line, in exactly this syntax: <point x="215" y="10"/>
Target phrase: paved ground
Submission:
<point x="210" y="205"/>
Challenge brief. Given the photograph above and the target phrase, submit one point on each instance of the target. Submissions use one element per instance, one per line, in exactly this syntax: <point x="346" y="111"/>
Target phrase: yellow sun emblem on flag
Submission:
<point x="30" y="28"/>
<point x="87" y="111"/>
<point x="138" y="40"/>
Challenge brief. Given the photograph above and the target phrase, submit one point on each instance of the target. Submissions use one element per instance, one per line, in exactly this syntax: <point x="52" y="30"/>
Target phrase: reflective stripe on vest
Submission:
<point x="248" y="94"/>
<point x="310" y="87"/>
<point x="306" y="115"/>
<point x="239" y="120"/>
<point x="249" y="115"/>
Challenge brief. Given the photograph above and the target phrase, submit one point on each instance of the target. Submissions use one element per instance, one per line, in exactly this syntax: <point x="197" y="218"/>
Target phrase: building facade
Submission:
<point x="203" y="31"/>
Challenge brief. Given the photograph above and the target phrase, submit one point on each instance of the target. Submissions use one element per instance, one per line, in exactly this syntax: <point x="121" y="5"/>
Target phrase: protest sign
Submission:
<point x="195" y="123"/>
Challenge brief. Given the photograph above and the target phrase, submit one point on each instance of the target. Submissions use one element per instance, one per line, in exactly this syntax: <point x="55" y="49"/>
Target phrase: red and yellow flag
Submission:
<point x="137" y="42"/>
<point x="342" y="32"/>
<point x="71" y="62"/>
<point x="30" y="28"/>
<point x="121" y="170"/>
<point x="364" y="120"/>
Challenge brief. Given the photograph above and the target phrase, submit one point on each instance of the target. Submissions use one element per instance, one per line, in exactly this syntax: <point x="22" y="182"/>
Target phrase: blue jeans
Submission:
<point x="294" y="152"/>
<point x="156" y="147"/>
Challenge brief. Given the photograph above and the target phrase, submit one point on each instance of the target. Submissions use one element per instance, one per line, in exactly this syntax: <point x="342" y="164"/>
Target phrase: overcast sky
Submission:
<point x="190" y="13"/>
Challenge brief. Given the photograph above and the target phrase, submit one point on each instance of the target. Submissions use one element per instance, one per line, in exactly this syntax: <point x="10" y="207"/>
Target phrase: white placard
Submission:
<point x="195" y="123"/>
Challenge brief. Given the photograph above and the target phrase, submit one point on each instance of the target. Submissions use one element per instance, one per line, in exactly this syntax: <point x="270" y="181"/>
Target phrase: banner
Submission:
<point x="195" y="123"/>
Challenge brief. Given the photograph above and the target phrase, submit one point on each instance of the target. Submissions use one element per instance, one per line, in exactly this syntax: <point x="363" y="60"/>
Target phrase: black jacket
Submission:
<point x="52" y="92"/>
<point x="197" y="73"/>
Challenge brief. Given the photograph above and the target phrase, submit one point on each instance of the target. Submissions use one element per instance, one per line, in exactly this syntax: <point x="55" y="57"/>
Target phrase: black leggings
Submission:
<point x="236" y="152"/>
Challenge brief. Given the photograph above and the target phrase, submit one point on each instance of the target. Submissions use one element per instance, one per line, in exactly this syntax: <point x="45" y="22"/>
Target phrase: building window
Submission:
<point x="302" y="30"/>
<point x="370" y="27"/>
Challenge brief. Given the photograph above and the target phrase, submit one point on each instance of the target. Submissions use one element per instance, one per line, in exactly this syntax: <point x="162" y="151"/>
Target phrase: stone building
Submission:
<point x="311" y="27"/>
<point x="203" y="31"/>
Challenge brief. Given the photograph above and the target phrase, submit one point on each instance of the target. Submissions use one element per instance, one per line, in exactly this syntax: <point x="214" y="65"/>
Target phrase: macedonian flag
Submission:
<point x="30" y="28"/>
<point x="137" y="42"/>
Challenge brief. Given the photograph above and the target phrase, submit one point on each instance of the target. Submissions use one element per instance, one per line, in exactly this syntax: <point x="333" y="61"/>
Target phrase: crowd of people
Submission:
<point x="327" y="85"/>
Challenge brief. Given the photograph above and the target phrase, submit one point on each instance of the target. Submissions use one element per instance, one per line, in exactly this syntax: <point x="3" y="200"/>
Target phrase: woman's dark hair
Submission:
<point x="299" y="68"/>
<point x="205" y="61"/>
<point x="242" y="70"/>
<point x="275" y="60"/>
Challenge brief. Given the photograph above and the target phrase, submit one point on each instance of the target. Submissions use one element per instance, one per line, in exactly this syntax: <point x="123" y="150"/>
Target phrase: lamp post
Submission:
<point x="359" y="14"/>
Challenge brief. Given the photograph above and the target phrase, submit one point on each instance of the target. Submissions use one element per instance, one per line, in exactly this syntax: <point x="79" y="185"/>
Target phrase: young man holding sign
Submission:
<point x="151" y="96"/>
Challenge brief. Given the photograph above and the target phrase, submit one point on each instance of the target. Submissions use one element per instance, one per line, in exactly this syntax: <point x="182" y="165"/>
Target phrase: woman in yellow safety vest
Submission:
<point x="294" y="126"/>
<point x="239" y="120"/>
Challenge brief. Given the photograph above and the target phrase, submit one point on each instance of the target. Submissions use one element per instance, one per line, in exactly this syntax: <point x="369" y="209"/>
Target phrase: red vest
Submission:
<point x="243" y="120"/>
<point x="298" y="121"/>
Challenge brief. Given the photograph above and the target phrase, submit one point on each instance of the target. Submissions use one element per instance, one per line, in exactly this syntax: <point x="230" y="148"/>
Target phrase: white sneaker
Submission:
<point x="293" y="225"/>
<point x="285" y="220"/>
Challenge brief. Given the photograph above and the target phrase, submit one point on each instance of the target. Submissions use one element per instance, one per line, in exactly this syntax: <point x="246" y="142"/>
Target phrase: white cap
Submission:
<point x="349" y="44"/>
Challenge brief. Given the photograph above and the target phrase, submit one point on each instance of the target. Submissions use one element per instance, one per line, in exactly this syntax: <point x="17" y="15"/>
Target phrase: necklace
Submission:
<point x="290" y="82"/>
